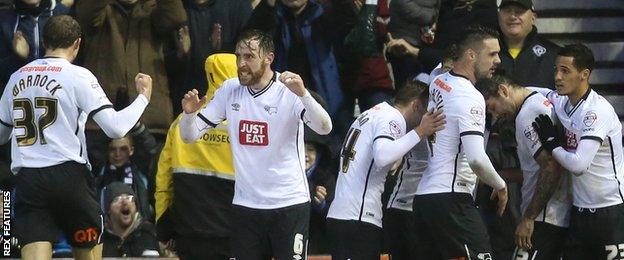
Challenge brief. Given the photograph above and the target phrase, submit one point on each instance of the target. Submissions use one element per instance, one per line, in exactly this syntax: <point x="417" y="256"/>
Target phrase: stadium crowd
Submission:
<point x="421" y="129"/>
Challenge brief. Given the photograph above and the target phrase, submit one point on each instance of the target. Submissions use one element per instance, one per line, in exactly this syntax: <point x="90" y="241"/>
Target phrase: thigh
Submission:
<point x="457" y="227"/>
<point x="396" y="233"/>
<point x="547" y="240"/>
<point x="249" y="238"/>
<point x="34" y="221"/>
<point x="353" y="239"/>
<point x="289" y="232"/>
<point x="202" y="248"/>
<point x="422" y="243"/>
<point x="76" y="208"/>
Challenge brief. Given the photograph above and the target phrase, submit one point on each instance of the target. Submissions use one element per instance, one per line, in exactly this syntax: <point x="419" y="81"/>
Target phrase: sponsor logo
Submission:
<point x="235" y="106"/>
<point x="571" y="142"/>
<point x="484" y="256"/>
<point x="590" y="118"/>
<point x="530" y="134"/>
<point x="253" y="133"/>
<point x="539" y="50"/>
<point x="443" y="85"/>
<point x="395" y="129"/>
<point x="476" y="112"/>
<point x="547" y="103"/>
<point x="271" y="110"/>
<point x="86" y="235"/>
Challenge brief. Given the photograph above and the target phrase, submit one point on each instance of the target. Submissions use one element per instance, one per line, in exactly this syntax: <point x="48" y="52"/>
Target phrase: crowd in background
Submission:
<point x="353" y="53"/>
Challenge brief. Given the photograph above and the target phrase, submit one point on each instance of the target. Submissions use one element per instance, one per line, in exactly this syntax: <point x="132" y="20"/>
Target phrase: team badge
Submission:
<point x="590" y="118"/>
<point x="271" y="110"/>
<point x="539" y="50"/>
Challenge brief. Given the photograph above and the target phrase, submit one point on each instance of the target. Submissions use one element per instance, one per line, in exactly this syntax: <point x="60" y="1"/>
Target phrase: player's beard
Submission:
<point x="253" y="77"/>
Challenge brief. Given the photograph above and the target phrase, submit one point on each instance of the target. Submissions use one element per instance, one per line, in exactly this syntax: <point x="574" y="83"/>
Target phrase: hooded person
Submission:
<point x="126" y="233"/>
<point x="195" y="182"/>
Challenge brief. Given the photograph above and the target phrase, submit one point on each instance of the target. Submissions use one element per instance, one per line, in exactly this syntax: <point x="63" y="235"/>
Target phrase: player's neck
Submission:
<point x="59" y="53"/>
<point x="576" y="96"/>
<point x="264" y="81"/>
<point x="465" y="71"/>
<point x="519" y="96"/>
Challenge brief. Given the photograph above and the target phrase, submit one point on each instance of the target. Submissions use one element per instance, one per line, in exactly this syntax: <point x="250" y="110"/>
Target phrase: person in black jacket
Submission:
<point x="527" y="57"/>
<point x="126" y="233"/>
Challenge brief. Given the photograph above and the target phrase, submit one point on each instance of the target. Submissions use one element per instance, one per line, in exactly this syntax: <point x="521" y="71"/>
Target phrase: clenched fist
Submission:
<point x="144" y="85"/>
<point x="191" y="102"/>
<point x="293" y="82"/>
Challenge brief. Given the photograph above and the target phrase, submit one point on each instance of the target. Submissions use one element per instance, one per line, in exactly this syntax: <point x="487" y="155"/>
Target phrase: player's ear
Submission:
<point x="503" y="90"/>
<point x="270" y="57"/>
<point x="76" y="43"/>
<point x="585" y="74"/>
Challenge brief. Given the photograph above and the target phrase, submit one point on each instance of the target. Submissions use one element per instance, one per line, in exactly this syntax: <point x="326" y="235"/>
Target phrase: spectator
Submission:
<point x="121" y="169"/>
<point x="195" y="183"/>
<point x="21" y="32"/>
<point x="213" y="26"/>
<point x="365" y="73"/>
<point x="412" y="21"/>
<point x="527" y="57"/>
<point x="126" y="233"/>
<point x="123" y="37"/>
<point x="307" y="35"/>
<point x="322" y="183"/>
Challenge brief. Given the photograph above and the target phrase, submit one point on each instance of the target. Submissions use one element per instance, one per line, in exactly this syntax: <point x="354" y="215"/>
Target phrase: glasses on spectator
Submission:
<point x="123" y="149"/>
<point x="118" y="199"/>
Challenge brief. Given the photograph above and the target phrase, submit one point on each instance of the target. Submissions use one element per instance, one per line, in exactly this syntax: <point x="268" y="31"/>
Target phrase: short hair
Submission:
<point x="265" y="41"/>
<point x="60" y="32"/>
<point x="411" y="90"/>
<point x="489" y="87"/>
<point x="582" y="57"/>
<point x="472" y="38"/>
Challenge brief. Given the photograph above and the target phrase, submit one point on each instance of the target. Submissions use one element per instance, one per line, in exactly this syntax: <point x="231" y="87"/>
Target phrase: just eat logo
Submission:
<point x="253" y="133"/>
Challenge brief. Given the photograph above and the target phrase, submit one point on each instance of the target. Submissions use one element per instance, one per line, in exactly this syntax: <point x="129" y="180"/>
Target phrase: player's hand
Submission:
<point x="547" y="132"/>
<point x="144" y="85"/>
<point x="524" y="231"/>
<point x="293" y="82"/>
<point x="191" y="102"/>
<point x="502" y="200"/>
<point x="431" y="122"/>
<point x="20" y="45"/>
<point x="319" y="194"/>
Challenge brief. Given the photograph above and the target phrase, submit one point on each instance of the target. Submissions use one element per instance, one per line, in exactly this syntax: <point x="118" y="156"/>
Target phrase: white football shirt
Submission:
<point x="47" y="103"/>
<point x="409" y="175"/>
<point x="593" y="118"/>
<point x="464" y="107"/>
<point x="360" y="180"/>
<point x="557" y="210"/>
<point x="266" y="133"/>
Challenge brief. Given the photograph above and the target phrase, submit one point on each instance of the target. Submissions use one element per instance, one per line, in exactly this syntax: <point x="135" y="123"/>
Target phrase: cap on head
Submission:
<point x="528" y="4"/>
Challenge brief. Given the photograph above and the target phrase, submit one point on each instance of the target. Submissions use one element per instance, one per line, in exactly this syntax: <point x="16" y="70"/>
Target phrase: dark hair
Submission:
<point x="60" y="32"/>
<point x="489" y="87"/>
<point x="582" y="57"/>
<point x="412" y="90"/>
<point x="473" y="37"/>
<point x="265" y="41"/>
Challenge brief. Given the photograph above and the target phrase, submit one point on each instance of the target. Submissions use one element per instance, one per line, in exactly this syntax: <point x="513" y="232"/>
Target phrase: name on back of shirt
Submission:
<point x="44" y="82"/>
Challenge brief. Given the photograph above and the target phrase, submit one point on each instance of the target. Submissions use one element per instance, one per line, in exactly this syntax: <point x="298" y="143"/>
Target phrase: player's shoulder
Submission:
<point x="598" y="105"/>
<point x="534" y="104"/>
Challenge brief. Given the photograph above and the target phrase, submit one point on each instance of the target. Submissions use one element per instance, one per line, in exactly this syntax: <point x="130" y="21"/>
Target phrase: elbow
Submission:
<point x="326" y="127"/>
<point x="114" y="133"/>
<point x="186" y="138"/>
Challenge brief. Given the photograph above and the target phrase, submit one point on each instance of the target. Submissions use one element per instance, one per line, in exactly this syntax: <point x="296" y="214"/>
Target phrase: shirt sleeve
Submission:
<point x="214" y="112"/>
<point x="595" y="124"/>
<point x="471" y="117"/>
<point x="6" y="115"/>
<point x="529" y="136"/>
<point x="90" y="96"/>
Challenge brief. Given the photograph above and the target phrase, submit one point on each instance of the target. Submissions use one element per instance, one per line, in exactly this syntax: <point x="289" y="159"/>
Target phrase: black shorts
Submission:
<point x="264" y="233"/>
<point x="352" y="239"/>
<point x="399" y="234"/>
<point x="55" y="199"/>
<point x="449" y="227"/>
<point x="596" y="233"/>
<point x="547" y="241"/>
